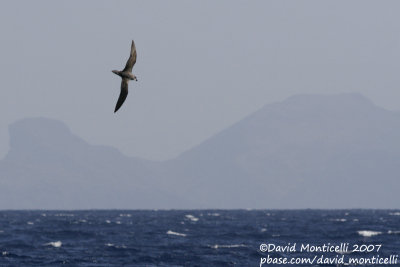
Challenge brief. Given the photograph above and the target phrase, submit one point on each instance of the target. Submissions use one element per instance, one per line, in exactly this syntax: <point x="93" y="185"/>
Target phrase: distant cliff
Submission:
<point x="309" y="151"/>
<point x="49" y="167"/>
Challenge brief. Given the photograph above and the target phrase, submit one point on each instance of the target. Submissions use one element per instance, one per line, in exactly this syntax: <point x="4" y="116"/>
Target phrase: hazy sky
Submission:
<point x="202" y="65"/>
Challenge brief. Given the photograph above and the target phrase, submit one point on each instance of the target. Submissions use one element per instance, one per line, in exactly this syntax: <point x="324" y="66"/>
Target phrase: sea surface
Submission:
<point x="194" y="237"/>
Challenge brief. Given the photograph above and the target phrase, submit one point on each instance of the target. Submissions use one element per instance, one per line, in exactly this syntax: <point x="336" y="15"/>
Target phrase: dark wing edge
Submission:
<point x="122" y="95"/>
<point x="132" y="58"/>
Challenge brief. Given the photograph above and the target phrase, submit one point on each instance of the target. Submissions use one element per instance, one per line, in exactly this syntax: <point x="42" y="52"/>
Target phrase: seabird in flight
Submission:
<point x="126" y="75"/>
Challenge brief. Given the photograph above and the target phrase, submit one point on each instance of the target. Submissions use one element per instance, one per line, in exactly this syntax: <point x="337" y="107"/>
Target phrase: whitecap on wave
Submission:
<point x="4" y="253"/>
<point x="368" y="233"/>
<point x="125" y="215"/>
<point x="338" y="220"/>
<point x="216" y="246"/>
<point x="397" y="213"/>
<point x="55" y="244"/>
<point x="192" y="218"/>
<point x="215" y="214"/>
<point x="343" y="252"/>
<point x="64" y="215"/>
<point x="169" y="232"/>
<point x="114" y="246"/>
<point x="390" y="232"/>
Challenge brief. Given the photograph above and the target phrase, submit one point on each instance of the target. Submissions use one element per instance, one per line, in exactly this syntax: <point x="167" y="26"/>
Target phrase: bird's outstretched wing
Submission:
<point x="132" y="58"/>
<point x="122" y="95"/>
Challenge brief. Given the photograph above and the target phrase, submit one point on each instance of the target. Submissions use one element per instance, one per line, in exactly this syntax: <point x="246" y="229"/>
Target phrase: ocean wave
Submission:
<point x="55" y="244"/>
<point x="191" y="217"/>
<point x="64" y="215"/>
<point x="343" y="252"/>
<point x="125" y="215"/>
<point x="397" y="213"/>
<point x="338" y="220"/>
<point x="368" y="233"/>
<point x="114" y="246"/>
<point x="390" y="232"/>
<point x="216" y="246"/>
<point x="169" y="232"/>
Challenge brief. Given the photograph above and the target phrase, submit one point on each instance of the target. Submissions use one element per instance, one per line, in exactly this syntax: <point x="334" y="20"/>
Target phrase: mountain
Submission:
<point x="48" y="167"/>
<point x="309" y="151"/>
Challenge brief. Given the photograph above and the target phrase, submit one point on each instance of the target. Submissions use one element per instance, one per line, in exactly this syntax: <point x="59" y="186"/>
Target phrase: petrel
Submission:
<point x="126" y="75"/>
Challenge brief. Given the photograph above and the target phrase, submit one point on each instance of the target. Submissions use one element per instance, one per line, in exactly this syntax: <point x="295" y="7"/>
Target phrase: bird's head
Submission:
<point x="134" y="77"/>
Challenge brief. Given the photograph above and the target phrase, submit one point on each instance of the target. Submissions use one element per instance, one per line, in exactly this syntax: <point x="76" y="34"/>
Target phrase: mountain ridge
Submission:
<point x="303" y="152"/>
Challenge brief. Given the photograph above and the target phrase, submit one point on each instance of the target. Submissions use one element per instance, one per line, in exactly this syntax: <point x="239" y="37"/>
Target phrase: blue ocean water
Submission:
<point x="191" y="237"/>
